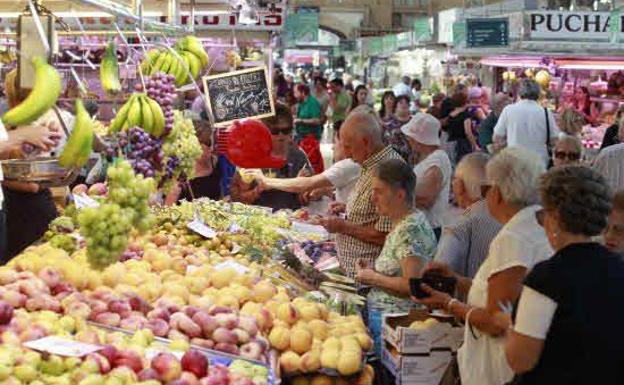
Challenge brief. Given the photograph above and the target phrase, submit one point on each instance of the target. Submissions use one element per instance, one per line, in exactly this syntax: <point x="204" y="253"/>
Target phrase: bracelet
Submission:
<point x="450" y="303"/>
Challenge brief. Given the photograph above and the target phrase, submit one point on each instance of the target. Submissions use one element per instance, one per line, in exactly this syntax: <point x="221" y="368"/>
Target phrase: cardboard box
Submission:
<point x="426" y="369"/>
<point x="442" y="335"/>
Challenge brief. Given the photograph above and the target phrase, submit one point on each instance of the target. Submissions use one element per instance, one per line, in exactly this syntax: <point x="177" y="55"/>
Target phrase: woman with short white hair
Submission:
<point x="512" y="196"/>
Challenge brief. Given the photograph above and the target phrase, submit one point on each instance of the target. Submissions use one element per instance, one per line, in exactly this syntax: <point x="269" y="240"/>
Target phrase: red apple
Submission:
<point x="207" y="323"/>
<point x="195" y="362"/>
<point x="128" y="359"/>
<point x="167" y="366"/>
<point x="148" y="374"/>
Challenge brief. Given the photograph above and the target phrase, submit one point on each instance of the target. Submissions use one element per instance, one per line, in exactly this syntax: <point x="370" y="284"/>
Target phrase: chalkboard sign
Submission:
<point x="487" y="33"/>
<point x="238" y="95"/>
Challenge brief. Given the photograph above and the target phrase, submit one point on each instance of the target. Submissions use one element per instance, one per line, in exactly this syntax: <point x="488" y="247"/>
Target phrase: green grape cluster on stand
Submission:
<point x="182" y="144"/>
<point x="106" y="230"/>
<point x="131" y="191"/>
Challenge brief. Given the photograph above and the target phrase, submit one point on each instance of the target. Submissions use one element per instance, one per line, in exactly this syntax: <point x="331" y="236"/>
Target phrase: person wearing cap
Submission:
<point x="281" y="127"/>
<point x="433" y="171"/>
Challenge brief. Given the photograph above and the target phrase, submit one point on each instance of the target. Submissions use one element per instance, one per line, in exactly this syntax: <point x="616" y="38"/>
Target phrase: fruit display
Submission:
<point x="188" y="56"/>
<point x="44" y="94"/>
<point x="109" y="70"/>
<point x="79" y="145"/>
<point x="233" y="59"/>
<point x="161" y="88"/>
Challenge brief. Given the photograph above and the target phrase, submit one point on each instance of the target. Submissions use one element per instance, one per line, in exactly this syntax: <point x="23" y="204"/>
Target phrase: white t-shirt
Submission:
<point x="521" y="242"/>
<point x="523" y="124"/>
<point x="343" y="175"/>
<point x="439" y="159"/>
<point x="610" y="163"/>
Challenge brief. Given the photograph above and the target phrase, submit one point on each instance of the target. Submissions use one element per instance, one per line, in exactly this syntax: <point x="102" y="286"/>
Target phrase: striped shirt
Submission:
<point x="610" y="163"/>
<point x="361" y="211"/>
<point x="465" y="245"/>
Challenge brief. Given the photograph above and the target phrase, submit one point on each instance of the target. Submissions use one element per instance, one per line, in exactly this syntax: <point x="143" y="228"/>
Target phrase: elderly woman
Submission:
<point x="614" y="232"/>
<point x="486" y="129"/>
<point x="560" y="334"/>
<point x="512" y="178"/>
<point x="408" y="247"/>
<point x="568" y="150"/>
<point x="433" y="171"/>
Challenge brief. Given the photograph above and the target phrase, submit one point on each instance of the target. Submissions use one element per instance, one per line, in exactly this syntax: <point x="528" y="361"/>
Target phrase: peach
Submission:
<point x="195" y="362"/>
<point x="249" y="324"/>
<point x="108" y="319"/>
<point x="133" y="322"/>
<point x="288" y="313"/>
<point x="186" y="325"/>
<point x="280" y="338"/>
<point x="311" y="361"/>
<point x="227" y="320"/>
<point x="177" y="335"/>
<point x="159" y="313"/>
<point x="300" y="340"/>
<point x="227" y="348"/>
<point x="207" y="323"/>
<point x="251" y="350"/>
<point x="50" y="276"/>
<point x="203" y="343"/>
<point x="290" y="362"/>
<point x="263" y="291"/>
<point x="96" y="189"/>
<point x="167" y="366"/>
<point x="158" y="326"/>
<point x="242" y="336"/>
<point x="223" y="335"/>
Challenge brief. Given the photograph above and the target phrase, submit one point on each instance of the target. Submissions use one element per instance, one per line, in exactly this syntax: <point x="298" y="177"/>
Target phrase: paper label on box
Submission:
<point x="151" y="353"/>
<point x="240" y="269"/>
<point x="62" y="347"/>
<point x="200" y="228"/>
<point x="82" y="200"/>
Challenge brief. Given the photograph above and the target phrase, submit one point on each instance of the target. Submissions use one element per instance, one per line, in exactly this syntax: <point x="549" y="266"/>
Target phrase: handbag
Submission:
<point x="548" y="146"/>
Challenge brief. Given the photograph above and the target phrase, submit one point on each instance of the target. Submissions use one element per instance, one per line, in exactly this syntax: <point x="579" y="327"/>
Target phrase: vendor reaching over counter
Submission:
<point x="342" y="176"/>
<point x="297" y="164"/>
<point x="362" y="233"/>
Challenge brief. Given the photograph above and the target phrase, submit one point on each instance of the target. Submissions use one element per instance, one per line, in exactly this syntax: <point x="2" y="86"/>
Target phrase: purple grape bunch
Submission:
<point x="143" y="151"/>
<point x="161" y="88"/>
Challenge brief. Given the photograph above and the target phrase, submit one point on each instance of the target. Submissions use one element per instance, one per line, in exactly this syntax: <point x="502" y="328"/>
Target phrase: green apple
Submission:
<point x="113" y="381"/>
<point x="25" y="373"/>
<point x="68" y="324"/>
<point x="5" y="372"/>
<point x="90" y="366"/>
<point x="31" y="358"/>
<point x="72" y="363"/>
<point x="53" y="365"/>
<point x="92" y="379"/>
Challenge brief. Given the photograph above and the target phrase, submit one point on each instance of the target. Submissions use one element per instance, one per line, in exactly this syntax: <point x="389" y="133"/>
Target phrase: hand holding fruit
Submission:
<point x="333" y="224"/>
<point x="435" y="300"/>
<point x="367" y="275"/>
<point x="41" y="136"/>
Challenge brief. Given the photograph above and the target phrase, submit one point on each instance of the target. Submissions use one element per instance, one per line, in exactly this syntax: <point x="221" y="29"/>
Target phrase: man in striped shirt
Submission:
<point x="361" y="235"/>
<point x="465" y="245"/>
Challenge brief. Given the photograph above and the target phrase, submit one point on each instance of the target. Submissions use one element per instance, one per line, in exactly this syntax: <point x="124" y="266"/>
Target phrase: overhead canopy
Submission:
<point x="584" y="63"/>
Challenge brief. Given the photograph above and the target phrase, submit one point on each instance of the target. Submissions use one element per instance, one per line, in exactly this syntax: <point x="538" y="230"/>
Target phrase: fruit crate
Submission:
<point x="214" y="356"/>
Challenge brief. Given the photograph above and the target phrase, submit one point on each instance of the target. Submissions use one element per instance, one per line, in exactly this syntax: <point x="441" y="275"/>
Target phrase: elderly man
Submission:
<point x="361" y="235"/>
<point x="464" y="245"/>
<point x="610" y="162"/>
<point x="527" y="124"/>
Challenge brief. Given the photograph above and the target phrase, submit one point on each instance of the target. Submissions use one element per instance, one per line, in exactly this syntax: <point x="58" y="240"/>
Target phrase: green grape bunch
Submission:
<point x="182" y="143"/>
<point x="106" y="230"/>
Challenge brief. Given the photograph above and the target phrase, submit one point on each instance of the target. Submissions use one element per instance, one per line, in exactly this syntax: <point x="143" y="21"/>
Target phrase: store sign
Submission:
<point x="238" y="95"/>
<point x="487" y="33"/>
<point x="422" y="29"/>
<point x="268" y="21"/>
<point x="571" y="25"/>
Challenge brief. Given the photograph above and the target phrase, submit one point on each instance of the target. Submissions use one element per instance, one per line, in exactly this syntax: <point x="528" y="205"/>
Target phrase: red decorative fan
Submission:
<point x="249" y="145"/>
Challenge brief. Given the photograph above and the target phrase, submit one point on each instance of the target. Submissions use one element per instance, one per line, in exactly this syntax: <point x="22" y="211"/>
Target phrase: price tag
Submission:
<point x="62" y="347"/>
<point x="236" y="248"/>
<point x="235" y="228"/>
<point x="82" y="200"/>
<point x="240" y="269"/>
<point x="200" y="228"/>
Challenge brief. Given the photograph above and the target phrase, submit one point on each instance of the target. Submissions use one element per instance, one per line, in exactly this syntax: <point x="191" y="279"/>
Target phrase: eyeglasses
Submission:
<point x="281" y="130"/>
<point x="569" y="155"/>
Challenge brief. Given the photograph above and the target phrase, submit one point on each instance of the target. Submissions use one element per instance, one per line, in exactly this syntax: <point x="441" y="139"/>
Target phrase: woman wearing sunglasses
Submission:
<point x="568" y="150"/>
<point x="560" y="335"/>
<point x="511" y="193"/>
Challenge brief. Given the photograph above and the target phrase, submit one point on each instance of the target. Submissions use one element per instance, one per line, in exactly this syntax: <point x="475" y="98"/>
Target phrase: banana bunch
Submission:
<point x="233" y="59"/>
<point x="80" y="143"/>
<point x="191" y="57"/>
<point x="141" y="111"/>
<point x="42" y="97"/>
<point x="109" y="71"/>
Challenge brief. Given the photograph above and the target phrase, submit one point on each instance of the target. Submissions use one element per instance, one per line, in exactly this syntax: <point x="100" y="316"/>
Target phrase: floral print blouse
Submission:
<point x="412" y="238"/>
<point x="392" y="136"/>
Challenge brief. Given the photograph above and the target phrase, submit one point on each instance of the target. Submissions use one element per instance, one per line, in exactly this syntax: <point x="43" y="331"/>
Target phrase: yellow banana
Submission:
<point x="109" y="70"/>
<point x="175" y="64"/>
<point x="43" y="96"/>
<point x="182" y="74"/>
<point x="150" y="59"/>
<point x="147" y="115"/>
<point x="195" y="46"/>
<point x="80" y="143"/>
<point x="134" y="113"/>
<point x="159" y="118"/>
<point x="122" y="116"/>
<point x="166" y="64"/>
<point x="193" y="62"/>
<point x="158" y="63"/>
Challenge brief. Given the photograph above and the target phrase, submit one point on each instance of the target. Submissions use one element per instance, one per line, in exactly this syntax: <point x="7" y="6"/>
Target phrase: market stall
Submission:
<point x="122" y="289"/>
